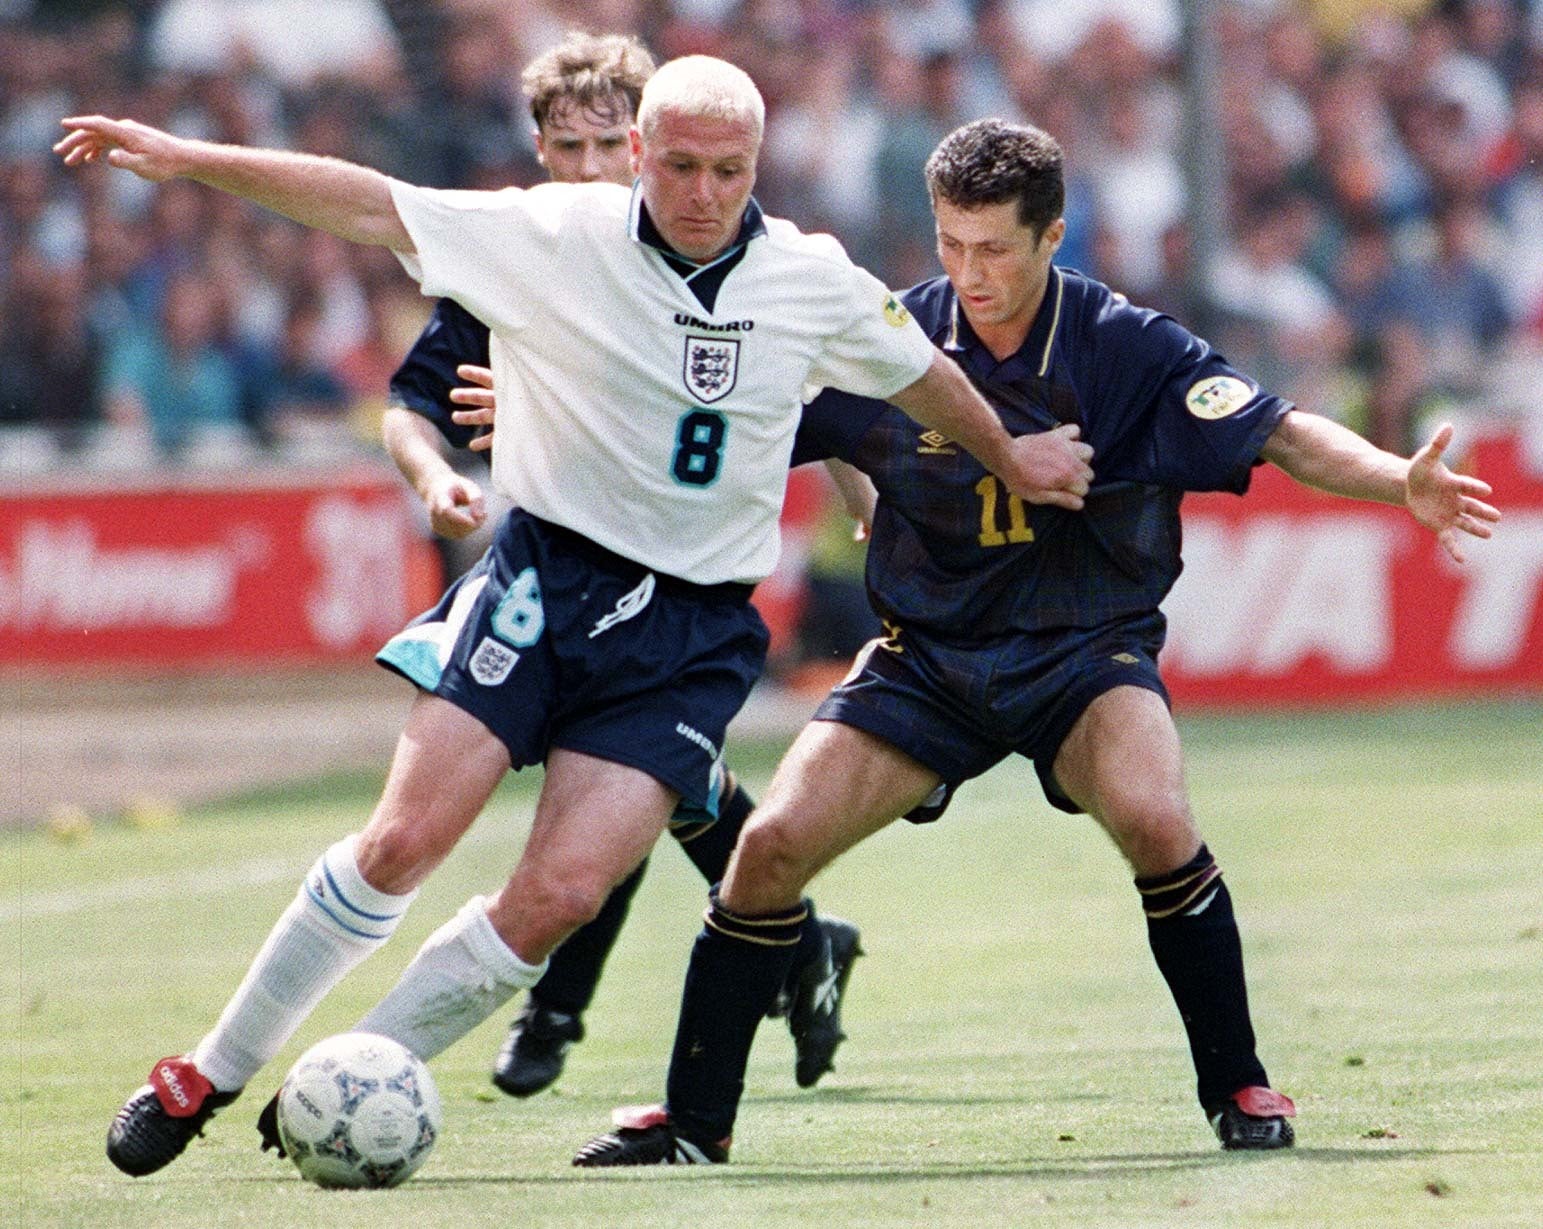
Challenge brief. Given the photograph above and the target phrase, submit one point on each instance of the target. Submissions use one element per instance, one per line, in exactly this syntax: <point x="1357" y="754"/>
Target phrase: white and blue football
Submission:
<point x="358" y="1110"/>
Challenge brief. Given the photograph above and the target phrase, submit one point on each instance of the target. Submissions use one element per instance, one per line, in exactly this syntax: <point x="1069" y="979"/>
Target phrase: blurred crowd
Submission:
<point x="1384" y="188"/>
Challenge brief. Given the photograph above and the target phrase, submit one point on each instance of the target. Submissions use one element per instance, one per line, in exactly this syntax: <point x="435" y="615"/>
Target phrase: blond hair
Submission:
<point x="702" y="85"/>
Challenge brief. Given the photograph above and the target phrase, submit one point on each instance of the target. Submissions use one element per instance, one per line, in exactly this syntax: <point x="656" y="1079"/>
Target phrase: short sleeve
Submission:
<point x="832" y="425"/>
<point x="1170" y="410"/>
<point x="486" y="250"/>
<point x="423" y="382"/>
<point x="877" y="348"/>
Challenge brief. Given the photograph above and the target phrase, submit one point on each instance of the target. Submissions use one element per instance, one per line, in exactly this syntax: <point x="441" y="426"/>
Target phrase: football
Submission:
<point x="358" y="1110"/>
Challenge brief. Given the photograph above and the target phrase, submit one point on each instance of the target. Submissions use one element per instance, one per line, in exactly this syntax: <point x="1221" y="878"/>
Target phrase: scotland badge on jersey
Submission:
<point x="711" y="367"/>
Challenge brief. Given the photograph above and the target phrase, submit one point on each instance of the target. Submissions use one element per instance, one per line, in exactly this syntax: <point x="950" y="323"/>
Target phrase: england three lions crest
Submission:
<point x="712" y="366"/>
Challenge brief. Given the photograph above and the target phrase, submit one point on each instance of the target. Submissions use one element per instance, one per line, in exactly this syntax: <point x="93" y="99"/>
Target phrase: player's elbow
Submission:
<point x="384" y="228"/>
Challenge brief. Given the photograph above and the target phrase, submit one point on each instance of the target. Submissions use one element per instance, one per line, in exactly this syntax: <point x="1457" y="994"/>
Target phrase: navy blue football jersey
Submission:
<point x="955" y="555"/>
<point x="424" y="380"/>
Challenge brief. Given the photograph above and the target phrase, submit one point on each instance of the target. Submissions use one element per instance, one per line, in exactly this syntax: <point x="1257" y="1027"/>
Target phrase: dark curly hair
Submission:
<point x="991" y="161"/>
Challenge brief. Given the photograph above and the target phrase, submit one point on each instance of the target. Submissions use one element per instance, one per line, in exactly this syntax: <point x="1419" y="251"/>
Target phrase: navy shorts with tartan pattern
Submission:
<point x="553" y="641"/>
<point x="961" y="709"/>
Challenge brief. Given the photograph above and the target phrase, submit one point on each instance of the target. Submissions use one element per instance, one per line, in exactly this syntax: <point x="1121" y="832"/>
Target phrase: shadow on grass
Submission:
<point x="887" y="1094"/>
<point x="1101" y="1166"/>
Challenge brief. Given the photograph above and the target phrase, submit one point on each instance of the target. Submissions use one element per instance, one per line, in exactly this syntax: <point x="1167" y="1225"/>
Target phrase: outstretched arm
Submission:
<point x="329" y="194"/>
<point x="1321" y="453"/>
<point x="1046" y="467"/>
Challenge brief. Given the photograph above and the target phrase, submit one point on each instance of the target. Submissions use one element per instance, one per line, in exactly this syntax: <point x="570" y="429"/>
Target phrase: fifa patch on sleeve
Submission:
<point x="1217" y="397"/>
<point x="895" y="312"/>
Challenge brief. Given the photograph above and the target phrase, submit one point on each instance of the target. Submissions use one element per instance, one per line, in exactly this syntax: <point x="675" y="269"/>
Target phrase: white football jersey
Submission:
<point x="627" y="410"/>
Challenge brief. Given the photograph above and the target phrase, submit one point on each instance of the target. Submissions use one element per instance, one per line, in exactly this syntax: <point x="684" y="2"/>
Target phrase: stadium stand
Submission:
<point x="1384" y="189"/>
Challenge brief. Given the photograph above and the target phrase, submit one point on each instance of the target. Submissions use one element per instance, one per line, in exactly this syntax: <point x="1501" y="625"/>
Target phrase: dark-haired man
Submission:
<point x="1023" y="629"/>
<point x="584" y="96"/>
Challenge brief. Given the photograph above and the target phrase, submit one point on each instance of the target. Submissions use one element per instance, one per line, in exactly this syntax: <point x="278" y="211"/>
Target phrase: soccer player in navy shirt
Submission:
<point x="1016" y="628"/>
<point x="583" y="98"/>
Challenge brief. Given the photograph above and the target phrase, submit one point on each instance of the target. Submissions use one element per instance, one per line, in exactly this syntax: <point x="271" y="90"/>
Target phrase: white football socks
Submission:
<point x="334" y="922"/>
<point x="461" y="975"/>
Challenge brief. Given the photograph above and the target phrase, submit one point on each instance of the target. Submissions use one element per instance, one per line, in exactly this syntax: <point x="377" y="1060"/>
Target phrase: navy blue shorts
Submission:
<point x="553" y="641"/>
<point x="959" y="710"/>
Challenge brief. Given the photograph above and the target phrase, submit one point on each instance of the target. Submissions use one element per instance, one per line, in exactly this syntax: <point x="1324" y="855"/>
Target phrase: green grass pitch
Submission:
<point x="1014" y="1058"/>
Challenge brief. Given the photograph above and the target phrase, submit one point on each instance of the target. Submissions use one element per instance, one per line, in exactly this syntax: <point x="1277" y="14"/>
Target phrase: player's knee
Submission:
<point x="563" y="901"/>
<point x="1154" y="829"/>
<point x="770" y="854"/>
<point x="576" y="903"/>
<point x="396" y="857"/>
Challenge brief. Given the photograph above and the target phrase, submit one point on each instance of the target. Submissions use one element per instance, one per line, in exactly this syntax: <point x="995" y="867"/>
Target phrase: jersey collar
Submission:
<point x="1036" y="348"/>
<point x="703" y="278"/>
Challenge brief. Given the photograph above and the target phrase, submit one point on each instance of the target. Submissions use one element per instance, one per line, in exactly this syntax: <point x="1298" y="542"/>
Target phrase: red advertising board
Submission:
<point x="1288" y="596"/>
<point x="278" y="568"/>
<point x="1291" y="596"/>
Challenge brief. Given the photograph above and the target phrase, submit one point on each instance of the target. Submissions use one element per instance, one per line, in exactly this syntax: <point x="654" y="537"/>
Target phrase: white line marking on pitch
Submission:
<point x="253" y="873"/>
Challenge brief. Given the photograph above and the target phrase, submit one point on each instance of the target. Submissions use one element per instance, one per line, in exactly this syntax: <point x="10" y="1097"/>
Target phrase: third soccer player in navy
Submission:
<point x="1020" y="629"/>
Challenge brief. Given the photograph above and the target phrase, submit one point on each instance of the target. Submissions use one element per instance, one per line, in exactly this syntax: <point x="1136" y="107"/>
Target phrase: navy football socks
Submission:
<point x="709" y="848"/>
<point x="737" y="967"/>
<point x="1194" y="937"/>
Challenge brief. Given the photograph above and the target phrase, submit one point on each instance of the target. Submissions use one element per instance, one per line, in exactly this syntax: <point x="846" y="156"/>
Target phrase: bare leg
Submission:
<point x="594" y="823"/>
<point x="836" y="786"/>
<point x="446" y="767"/>
<point x="1122" y="763"/>
<point x="357" y="892"/>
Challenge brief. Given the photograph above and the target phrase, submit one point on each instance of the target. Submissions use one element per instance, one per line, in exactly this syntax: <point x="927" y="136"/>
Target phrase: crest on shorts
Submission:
<point x="491" y="663"/>
<point x="712" y="366"/>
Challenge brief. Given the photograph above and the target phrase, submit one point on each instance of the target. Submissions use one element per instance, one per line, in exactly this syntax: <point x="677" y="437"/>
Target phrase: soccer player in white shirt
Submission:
<point x="584" y="94"/>
<point x="651" y="352"/>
